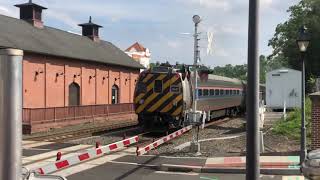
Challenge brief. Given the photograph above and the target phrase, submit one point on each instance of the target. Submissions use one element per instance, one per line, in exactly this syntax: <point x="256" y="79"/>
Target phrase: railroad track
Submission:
<point x="218" y="122"/>
<point x="144" y="138"/>
<point x="77" y="134"/>
<point x="83" y="133"/>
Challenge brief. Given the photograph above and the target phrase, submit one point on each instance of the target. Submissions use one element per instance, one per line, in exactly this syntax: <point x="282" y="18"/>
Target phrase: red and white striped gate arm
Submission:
<point x="144" y="150"/>
<point x="88" y="154"/>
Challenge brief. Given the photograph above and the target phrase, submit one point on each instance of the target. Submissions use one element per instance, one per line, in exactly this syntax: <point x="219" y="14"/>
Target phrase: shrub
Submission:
<point x="290" y="126"/>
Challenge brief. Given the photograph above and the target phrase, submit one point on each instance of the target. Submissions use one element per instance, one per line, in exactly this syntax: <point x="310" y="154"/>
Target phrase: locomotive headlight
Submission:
<point x="141" y="101"/>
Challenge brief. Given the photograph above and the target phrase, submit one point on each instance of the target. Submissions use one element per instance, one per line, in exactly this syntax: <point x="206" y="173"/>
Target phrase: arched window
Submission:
<point x="115" y="95"/>
<point x="74" y="94"/>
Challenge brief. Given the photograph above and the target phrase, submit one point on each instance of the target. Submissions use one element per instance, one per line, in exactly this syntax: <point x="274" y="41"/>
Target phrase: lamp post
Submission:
<point x="303" y="42"/>
<point x="253" y="151"/>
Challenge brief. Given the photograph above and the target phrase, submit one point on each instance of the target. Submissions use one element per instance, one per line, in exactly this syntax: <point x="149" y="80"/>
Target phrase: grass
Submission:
<point x="290" y="126"/>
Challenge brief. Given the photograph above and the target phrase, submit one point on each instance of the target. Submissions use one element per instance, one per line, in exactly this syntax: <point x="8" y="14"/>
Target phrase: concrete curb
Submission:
<point x="202" y="169"/>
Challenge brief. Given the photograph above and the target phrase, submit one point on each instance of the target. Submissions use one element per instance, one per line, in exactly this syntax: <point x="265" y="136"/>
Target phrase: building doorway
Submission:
<point x="74" y="94"/>
<point x="115" y="95"/>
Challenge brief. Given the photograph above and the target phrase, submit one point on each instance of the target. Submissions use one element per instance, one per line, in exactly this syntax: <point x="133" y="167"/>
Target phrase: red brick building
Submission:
<point x="315" y="121"/>
<point x="62" y="69"/>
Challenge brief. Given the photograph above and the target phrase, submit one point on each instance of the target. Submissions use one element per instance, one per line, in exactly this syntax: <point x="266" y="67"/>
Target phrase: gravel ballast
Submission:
<point x="274" y="144"/>
<point x="235" y="146"/>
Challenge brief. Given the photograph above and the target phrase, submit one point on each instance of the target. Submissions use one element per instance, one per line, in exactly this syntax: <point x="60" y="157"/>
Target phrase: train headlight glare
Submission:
<point x="141" y="101"/>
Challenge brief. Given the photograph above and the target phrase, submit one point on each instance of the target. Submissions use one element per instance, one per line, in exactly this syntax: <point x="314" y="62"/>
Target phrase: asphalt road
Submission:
<point x="117" y="171"/>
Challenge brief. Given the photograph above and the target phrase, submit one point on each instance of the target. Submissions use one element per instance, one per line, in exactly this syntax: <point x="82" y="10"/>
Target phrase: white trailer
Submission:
<point x="283" y="89"/>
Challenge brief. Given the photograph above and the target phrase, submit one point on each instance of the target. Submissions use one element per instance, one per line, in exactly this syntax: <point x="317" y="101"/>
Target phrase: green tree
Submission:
<point x="306" y="12"/>
<point x="237" y="71"/>
<point x="263" y="68"/>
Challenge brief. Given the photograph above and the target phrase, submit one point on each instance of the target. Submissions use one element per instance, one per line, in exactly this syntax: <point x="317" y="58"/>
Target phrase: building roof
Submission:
<point x="90" y="23"/>
<point x="137" y="47"/>
<point x="283" y="70"/>
<point x="16" y="33"/>
<point x="30" y="3"/>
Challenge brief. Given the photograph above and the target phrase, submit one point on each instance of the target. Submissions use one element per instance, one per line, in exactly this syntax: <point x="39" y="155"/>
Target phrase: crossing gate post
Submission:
<point x="59" y="155"/>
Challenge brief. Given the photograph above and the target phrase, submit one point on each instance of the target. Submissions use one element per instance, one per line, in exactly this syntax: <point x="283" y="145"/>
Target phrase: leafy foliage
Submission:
<point x="240" y="71"/>
<point x="291" y="125"/>
<point x="306" y="12"/>
<point x="237" y="71"/>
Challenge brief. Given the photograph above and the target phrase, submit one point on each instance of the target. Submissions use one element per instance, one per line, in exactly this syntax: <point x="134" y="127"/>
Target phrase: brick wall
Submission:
<point x="315" y="125"/>
<point x="46" y="81"/>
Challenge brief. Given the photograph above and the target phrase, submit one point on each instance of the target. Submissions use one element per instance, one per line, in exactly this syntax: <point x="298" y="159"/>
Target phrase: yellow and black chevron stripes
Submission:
<point x="160" y="102"/>
<point x="150" y="84"/>
<point x="155" y="100"/>
<point x="170" y="106"/>
<point x="149" y="76"/>
<point x="137" y="99"/>
<point x="149" y="96"/>
<point x="177" y="111"/>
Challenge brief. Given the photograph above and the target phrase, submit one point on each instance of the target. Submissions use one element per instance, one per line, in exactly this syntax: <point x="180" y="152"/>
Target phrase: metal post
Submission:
<point x="195" y="64"/>
<point x="252" y="154"/>
<point x="303" y="124"/>
<point x="195" y="146"/>
<point x="10" y="113"/>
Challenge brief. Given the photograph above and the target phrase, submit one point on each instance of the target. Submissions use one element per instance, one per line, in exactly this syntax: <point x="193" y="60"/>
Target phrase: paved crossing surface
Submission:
<point x="120" y="165"/>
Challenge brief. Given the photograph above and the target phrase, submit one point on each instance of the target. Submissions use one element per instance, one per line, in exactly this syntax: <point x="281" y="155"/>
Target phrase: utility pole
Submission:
<point x="303" y="149"/>
<point x="253" y="150"/>
<point x="10" y="113"/>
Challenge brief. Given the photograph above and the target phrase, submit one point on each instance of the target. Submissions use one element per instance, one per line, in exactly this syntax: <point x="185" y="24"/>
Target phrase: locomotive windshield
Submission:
<point x="141" y="87"/>
<point x="157" y="86"/>
<point x="160" y="69"/>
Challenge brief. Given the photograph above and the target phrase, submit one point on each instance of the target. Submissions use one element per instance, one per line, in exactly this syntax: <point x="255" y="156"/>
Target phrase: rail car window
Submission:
<point x="216" y="92"/>
<point x="199" y="92"/>
<point x="227" y="92"/>
<point x="157" y="86"/>
<point x="221" y="92"/>
<point x="234" y="92"/>
<point x="211" y="92"/>
<point x="205" y="92"/>
<point x="238" y="92"/>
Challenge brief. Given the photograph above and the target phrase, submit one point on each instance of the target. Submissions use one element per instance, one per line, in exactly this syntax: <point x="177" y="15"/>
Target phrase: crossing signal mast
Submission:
<point x="194" y="117"/>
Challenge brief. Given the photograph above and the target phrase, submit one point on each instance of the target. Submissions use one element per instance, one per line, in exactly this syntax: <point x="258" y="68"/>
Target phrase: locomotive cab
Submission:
<point x="160" y="98"/>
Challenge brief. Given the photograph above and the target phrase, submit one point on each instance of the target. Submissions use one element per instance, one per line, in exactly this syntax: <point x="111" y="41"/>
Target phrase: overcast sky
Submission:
<point x="159" y="24"/>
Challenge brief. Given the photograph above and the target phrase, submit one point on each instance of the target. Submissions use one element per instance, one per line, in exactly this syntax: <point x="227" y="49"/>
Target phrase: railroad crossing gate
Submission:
<point x="35" y="176"/>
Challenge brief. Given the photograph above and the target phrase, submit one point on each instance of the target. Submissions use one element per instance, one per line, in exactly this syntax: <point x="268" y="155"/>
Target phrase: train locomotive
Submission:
<point x="163" y="96"/>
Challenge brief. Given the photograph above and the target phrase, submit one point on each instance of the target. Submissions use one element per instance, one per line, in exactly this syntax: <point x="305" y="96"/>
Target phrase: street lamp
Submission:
<point x="303" y="43"/>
